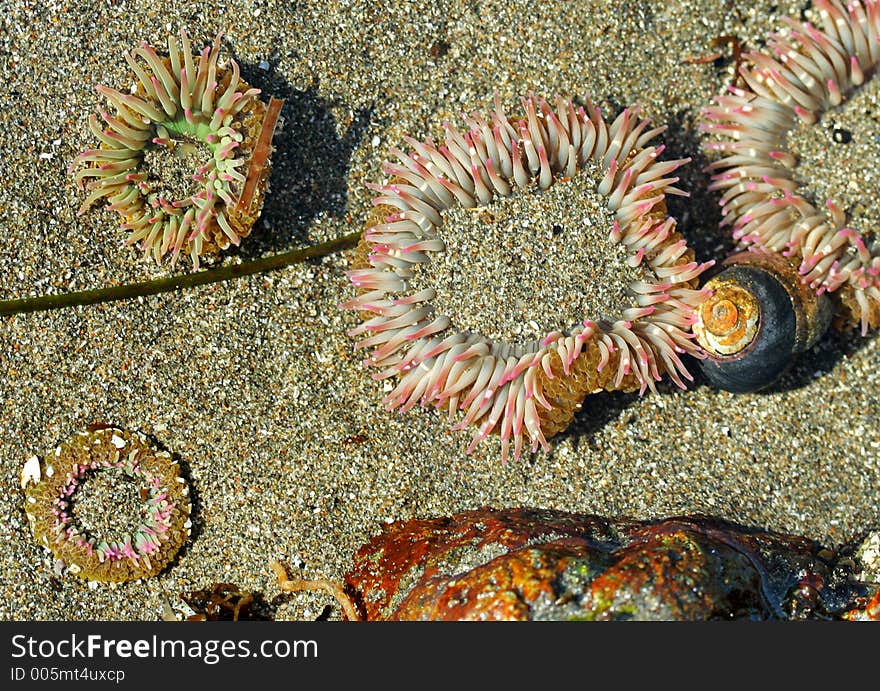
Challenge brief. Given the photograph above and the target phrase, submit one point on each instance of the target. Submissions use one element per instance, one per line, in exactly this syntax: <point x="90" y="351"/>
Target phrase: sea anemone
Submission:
<point x="184" y="159"/>
<point x="805" y="73"/>
<point x="160" y="495"/>
<point x="527" y="390"/>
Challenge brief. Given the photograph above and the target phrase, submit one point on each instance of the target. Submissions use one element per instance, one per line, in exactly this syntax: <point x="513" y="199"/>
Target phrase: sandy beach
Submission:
<point x="254" y="385"/>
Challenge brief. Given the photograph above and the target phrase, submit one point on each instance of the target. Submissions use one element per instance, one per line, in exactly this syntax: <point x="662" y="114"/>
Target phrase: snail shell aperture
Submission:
<point x="759" y="316"/>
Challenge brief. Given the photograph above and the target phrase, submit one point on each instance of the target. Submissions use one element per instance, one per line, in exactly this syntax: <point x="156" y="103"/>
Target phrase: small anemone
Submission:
<point x="524" y="391"/>
<point x="53" y="487"/>
<point x="183" y="160"/>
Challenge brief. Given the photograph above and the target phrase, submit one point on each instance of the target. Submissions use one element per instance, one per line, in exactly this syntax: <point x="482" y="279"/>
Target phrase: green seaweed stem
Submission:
<point x="171" y="283"/>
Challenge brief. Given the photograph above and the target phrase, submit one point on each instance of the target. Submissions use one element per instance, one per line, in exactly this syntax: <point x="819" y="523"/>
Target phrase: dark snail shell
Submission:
<point x="759" y="316"/>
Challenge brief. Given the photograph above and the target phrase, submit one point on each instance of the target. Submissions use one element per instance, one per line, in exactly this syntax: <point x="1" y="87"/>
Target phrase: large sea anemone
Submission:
<point x="184" y="158"/>
<point x="524" y="390"/>
<point x="138" y="474"/>
<point x="805" y="76"/>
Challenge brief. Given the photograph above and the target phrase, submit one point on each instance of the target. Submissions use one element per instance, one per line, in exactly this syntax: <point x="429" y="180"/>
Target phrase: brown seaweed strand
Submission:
<point x="171" y="283"/>
<point x="262" y="149"/>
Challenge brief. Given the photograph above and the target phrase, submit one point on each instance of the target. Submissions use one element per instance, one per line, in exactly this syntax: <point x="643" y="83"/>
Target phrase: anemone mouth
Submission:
<point x="157" y="527"/>
<point x="805" y="73"/>
<point x="523" y="391"/>
<point x="180" y="106"/>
